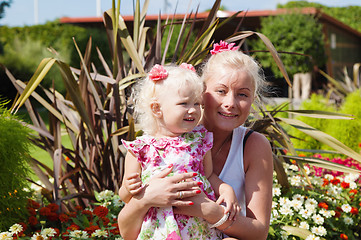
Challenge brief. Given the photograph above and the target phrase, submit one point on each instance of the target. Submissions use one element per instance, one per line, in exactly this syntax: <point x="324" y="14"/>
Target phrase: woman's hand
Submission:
<point x="162" y="191"/>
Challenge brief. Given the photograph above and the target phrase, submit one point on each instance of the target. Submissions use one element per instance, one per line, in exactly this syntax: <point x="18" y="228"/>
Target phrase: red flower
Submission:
<point x="335" y="181"/>
<point x="345" y="185"/>
<point x="63" y="218"/>
<point x="44" y="211"/>
<point x="33" y="220"/>
<point x="353" y="191"/>
<point x="105" y="221"/>
<point x="78" y="208"/>
<point x="53" y="216"/>
<point x="31" y="211"/>
<point x="337" y="214"/>
<point x="354" y="211"/>
<point x="323" y="205"/>
<point x="187" y="66"/>
<point x="359" y="144"/>
<point x="157" y="73"/>
<point x="101" y="211"/>
<point x="91" y="229"/>
<point x="343" y="236"/>
<point x="115" y="229"/>
<point x="73" y="227"/>
<point x="325" y="182"/>
<point x="88" y="213"/>
<point x="53" y="207"/>
<point x="33" y="204"/>
<point x="222" y="47"/>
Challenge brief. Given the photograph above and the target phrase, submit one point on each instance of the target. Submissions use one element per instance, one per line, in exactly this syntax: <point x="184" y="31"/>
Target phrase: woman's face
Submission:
<point x="227" y="100"/>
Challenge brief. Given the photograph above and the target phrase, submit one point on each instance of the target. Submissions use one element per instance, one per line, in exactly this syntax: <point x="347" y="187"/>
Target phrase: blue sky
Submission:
<point x="21" y="12"/>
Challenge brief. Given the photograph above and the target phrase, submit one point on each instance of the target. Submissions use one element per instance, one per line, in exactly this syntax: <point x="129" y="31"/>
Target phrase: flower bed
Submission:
<point x="327" y="210"/>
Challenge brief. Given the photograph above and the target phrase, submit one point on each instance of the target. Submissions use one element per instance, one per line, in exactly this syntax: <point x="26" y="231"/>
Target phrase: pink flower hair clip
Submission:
<point x="187" y="66"/>
<point x="157" y="73"/>
<point x="222" y="47"/>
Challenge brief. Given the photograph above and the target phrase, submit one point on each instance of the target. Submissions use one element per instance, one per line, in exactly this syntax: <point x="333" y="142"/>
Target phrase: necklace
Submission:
<point x="229" y="137"/>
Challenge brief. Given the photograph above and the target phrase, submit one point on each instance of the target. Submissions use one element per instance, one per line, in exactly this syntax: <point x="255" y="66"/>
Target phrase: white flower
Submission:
<point x="106" y="195"/>
<point x="335" y="190"/>
<point x="296" y="204"/>
<point x="329" y="177"/>
<point x="293" y="168"/>
<point x="16" y="228"/>
<point x="100" y="233"/>
<point x="305" y="213"/>
<point x="286" y="210"/>
<point x="298" y="197"/>
<point x="284" y="201"/>
<point x="276" y="191"/>
<point x="346" y="208"/>
<point x="312" y="237"/>
<point x="318" y="219"/>
<point x="304" y="225"/>
<point x="327" y="214"/>
<point x="348" y="220"/>
<point x="312" y="201"/>
<point x="6" y="236"/>
<point x="78" y="234"/>
<point x="274" y="214"/>
<point x="353" y="185"/>
<point x="351" y="177"/>
<point x="295" y="181"/>
<point x="49" y="232"/>
<point x="320" y="230"/>
<point x="310" y="207"/>
<point x="38" y="236"/>
<point x="284" y="235"/>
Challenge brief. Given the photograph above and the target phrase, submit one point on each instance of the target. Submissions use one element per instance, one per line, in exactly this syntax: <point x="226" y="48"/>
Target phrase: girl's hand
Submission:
<point x="133" y="183"/>
<point x="229" y="198"/>
<point x="162" y="191"/>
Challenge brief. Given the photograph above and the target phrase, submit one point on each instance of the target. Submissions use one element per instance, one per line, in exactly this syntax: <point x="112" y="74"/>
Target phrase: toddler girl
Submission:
<point x="168" y="109"/>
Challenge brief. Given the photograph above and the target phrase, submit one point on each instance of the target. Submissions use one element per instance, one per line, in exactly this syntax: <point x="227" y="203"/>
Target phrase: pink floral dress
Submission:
<point x="186" y="154"/>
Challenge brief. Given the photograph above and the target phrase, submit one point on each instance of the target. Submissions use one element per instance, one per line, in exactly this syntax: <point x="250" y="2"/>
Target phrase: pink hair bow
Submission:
<point x="157" y="73"/>
<point x="222" y="47"/>
<point x="187" y="66"/>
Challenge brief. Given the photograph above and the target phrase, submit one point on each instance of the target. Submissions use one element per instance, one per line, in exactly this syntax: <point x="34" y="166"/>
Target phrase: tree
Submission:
<point x="292" y="33"/>
<point x="4" y="4"/>
<point x="349" y="15"/>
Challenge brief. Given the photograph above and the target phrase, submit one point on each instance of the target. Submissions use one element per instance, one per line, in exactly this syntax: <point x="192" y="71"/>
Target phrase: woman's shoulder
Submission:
<point x="257" y="149"/>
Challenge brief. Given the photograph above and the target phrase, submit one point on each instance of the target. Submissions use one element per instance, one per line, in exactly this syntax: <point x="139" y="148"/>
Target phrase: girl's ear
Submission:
<point x="157" y="112"/>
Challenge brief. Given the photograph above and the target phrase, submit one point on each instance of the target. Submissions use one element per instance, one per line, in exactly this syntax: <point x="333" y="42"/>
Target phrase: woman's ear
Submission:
<point x="155" y="107"/>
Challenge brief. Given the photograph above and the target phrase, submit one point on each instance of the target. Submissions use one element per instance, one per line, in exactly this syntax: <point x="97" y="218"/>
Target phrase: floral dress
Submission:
<point x="186" y="154"/>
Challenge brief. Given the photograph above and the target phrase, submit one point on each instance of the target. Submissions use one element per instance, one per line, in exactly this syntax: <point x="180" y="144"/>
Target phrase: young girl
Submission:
<point x="168" y="109"/>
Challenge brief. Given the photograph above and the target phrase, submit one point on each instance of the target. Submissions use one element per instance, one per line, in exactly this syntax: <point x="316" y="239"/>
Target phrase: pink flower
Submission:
<point x="187" y="66"/>
<point x="158" y="73"/>
<point x="222" y="47"/>
<point x="173" y="236"/>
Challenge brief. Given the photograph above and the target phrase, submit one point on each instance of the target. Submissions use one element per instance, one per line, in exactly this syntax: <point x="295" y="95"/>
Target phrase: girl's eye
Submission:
<point x="197" y="104"/>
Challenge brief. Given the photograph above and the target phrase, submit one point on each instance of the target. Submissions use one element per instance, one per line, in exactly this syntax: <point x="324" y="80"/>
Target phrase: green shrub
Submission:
<point x="304" y="141"/>
<point x="14" y="155"/>
<point x="349" y="132"/>
<point x="22" y="49"/>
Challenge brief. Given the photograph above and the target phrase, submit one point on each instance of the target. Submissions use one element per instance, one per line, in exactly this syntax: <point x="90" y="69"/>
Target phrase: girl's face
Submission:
<point x="227" y="100"/>
<point x="179" y="110"/>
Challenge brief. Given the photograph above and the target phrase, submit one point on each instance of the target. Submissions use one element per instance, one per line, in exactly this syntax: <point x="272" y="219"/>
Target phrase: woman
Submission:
<point x="232" y="81"/>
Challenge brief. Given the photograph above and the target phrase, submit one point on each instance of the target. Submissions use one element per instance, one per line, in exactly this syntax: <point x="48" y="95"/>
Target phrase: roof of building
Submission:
<point x="323" y="17"/>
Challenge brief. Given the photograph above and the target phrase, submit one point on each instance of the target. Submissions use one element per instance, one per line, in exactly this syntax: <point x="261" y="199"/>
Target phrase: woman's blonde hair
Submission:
<point x="232" y="62"/>
<point x="147" y="91"/>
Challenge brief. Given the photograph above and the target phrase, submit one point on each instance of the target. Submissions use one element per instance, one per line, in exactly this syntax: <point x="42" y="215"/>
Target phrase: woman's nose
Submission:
<point x="229" y="101"/>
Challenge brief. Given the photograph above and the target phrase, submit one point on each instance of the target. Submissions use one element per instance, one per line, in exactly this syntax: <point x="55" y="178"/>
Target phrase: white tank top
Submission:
<point x="233" y="170"/>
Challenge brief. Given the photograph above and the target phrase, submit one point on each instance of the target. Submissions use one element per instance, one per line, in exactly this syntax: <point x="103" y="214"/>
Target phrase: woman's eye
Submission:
<point x="220" y="91"/>
<point x="242" y="95"/>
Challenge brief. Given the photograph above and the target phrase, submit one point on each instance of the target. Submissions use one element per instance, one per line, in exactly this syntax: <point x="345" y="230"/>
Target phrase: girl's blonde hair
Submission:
<point x="232" y="62"/>
<point x="147" y="91"/>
